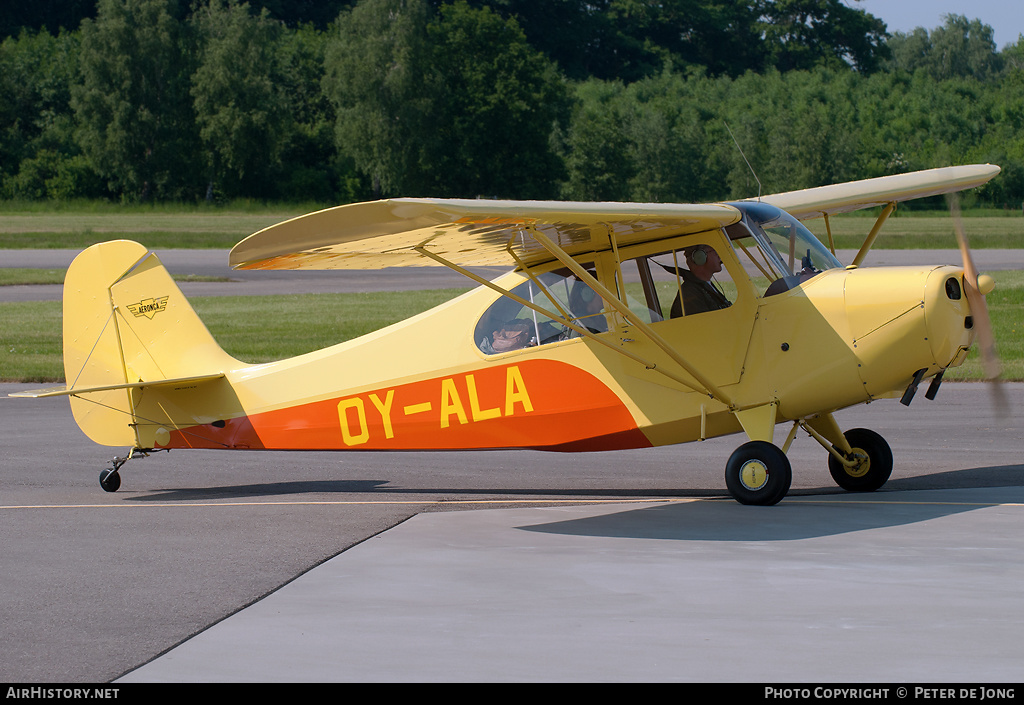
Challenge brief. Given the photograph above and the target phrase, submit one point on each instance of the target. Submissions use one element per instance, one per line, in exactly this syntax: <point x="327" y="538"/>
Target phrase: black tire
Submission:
<point x="873" y="471"/>
<point x="110" y="480"/>
<point x="758" y="473"/>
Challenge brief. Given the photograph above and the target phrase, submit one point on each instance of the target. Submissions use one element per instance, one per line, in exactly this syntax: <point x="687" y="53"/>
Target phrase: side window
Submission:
<point x="684" y="282"/>
<point x="562" y="298"/>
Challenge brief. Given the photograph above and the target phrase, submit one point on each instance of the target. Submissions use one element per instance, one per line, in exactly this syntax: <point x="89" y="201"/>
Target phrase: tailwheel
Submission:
<point x="758" y="472"/>
<point x="871" y="466"/>
<point x="110" y="480"/>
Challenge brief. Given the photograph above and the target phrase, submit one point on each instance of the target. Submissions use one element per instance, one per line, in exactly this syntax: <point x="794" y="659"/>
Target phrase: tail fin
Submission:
<point x="127" y="326"/>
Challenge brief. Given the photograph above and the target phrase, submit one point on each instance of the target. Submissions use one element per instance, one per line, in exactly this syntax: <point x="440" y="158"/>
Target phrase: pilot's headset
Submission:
<point x="699" y="255"/>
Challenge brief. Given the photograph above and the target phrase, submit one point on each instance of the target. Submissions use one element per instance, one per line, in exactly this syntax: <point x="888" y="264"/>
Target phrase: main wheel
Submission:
<point x="874" y="462"/>
<point x="758" y="473"/>
<point x="110" y="480"/>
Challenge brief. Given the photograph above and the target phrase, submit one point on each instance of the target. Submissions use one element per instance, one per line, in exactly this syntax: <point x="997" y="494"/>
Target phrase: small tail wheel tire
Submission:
<point x="758" y="472"/>
<point x="110" y="480"/>
<point x="873" y="464"/>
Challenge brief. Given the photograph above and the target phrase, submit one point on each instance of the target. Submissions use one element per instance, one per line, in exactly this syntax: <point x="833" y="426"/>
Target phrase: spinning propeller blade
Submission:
<point x="979" y="311"/>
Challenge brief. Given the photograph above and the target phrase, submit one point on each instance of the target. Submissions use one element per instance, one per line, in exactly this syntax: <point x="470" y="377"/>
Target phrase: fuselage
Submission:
<point x="838" y="338"/>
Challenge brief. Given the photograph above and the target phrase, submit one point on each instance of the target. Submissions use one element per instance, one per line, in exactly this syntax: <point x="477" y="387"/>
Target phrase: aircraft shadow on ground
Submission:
<point x="798" y="517"/>
<point x="975" y="478"/>
<point x="992" y="476"/>
<point x="728" y="521"/>
<point x="272" y="489"/>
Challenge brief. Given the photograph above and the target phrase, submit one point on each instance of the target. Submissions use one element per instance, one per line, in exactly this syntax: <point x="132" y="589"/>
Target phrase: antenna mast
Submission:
<point x="745" y="159"/>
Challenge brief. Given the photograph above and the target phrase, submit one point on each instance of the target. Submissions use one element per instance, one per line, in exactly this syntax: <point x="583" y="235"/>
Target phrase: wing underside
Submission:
<point x="477" y="233"/>
<point x="468" y="233"/>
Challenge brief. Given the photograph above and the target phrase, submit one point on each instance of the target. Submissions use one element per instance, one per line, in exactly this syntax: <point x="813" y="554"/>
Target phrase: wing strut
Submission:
<point x="870" y="239"/>
<point x="612" y="300"/>
<point x="530" y="305"/>
<point x="584" y="332"/>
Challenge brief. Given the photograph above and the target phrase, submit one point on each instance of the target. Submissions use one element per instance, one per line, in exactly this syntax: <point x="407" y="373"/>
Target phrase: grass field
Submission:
<point x="200" y="228"/>
<point x="283" y="326"/>
<point x="279" y="327"/>
<point x="154" y="228"/>
<point x="11" y="276"/>
<point x="30" y="346"/>
<point x="932" y="231"/>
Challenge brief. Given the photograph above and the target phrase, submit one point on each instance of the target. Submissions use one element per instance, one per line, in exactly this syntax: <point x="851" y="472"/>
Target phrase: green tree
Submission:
<point x="595" y="146"/>
<point x="960" y="48"/>
<point x="242" y="109"/>
<point x="132" y="106"/>
<point x="1012" y="55"/>
<point x="53" y="16"/>
<point x="456" y="104"/>
<point x="803" y="34"/>
<point x="495" y="101"/>
<point x="633" y="39"/>
<point x="313" y="169"/>
<point x="374" y="77"/>
<point x="578" y="36"/>
<point x="36" y="72"/>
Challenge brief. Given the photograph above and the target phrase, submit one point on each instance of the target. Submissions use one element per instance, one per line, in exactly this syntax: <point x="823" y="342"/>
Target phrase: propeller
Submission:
<point x="975" y="288"/>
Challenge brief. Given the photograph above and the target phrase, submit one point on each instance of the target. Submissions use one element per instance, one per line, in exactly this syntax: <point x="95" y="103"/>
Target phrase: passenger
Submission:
<point x="513" y="335"/>
<point x="585" y="306"/>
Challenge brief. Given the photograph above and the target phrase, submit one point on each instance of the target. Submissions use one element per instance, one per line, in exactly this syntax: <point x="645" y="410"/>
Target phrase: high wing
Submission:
<point x="406" y="232"/>
<point x="467" y="233"/>
<point x="854" y="195"/>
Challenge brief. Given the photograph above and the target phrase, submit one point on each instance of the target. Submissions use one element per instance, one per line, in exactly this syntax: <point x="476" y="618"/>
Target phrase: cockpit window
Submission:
<point x="562" y="298"/>
<point x="683" y="282"/>
<point x="778" y="246"/>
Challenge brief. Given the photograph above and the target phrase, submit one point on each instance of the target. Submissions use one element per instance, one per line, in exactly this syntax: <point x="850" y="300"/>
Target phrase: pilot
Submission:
<point x="698" y="294"/>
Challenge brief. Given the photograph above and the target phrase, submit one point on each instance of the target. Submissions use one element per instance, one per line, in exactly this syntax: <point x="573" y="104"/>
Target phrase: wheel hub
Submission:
<point x="754" y="474"/>
<point x="861" y="466"/>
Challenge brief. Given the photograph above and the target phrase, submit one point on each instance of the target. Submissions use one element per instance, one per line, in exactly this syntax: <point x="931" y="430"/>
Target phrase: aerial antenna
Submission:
<point x="745" y="159"/>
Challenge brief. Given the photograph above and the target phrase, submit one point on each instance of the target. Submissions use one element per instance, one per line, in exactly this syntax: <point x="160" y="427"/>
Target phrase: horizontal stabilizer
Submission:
<point x="75" y="391"/>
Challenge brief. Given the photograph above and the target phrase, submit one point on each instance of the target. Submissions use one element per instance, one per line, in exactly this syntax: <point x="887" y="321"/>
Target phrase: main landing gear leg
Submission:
<point x="868" y="466"/>
<point x="859" y="460"/>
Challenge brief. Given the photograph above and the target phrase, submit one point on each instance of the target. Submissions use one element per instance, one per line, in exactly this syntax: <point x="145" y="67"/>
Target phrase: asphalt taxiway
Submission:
<point x="904" y="586"/>
<point x="513" y="566"/>
<point x="508" y="566"/>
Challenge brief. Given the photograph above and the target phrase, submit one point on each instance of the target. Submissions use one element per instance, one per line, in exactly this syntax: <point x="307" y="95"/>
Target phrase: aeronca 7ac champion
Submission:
<point x="620" y="325"/>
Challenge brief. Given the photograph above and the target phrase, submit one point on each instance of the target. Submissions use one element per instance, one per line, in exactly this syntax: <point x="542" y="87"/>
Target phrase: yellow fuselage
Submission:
<point x="842" y="338"/>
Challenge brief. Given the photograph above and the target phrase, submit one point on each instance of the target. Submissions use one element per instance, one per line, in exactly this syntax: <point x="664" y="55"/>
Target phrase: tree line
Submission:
<point x="625" y="100"/>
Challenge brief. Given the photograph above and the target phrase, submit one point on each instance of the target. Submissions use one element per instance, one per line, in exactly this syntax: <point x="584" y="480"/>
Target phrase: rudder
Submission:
<point x="126" y="322"/>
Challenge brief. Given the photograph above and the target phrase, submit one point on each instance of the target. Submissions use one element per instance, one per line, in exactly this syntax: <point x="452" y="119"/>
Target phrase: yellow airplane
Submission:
<point x="620" y="325"/>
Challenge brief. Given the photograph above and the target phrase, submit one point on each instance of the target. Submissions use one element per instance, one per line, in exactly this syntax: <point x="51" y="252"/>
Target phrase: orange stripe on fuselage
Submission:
<point x="530" y="404"/>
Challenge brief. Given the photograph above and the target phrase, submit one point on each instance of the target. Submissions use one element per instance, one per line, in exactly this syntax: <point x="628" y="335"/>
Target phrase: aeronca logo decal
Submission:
<point x="149" y="307"/>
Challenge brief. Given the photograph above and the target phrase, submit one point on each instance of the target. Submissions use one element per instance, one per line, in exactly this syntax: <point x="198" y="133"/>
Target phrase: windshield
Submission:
<point x="789" y="252"/>
<point x="795" y="246"/>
